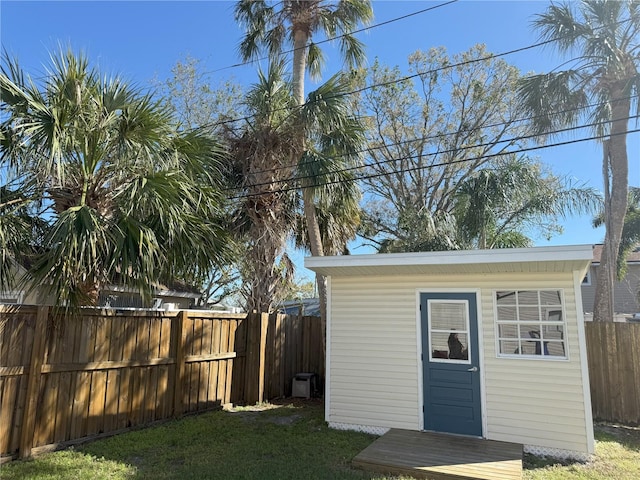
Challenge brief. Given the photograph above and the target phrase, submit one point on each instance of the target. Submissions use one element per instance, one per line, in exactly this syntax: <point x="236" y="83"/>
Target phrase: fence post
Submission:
<point x="33" y="383"/>
<point x="257" y="327"/>
<point x="180" y="338"/>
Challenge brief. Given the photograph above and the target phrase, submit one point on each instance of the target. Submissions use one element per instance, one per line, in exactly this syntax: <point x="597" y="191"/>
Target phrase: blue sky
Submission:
<point x="143" y="40"/>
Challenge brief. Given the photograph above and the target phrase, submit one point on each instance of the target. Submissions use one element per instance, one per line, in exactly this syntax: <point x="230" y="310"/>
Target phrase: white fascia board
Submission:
<point x="456" y="257"/>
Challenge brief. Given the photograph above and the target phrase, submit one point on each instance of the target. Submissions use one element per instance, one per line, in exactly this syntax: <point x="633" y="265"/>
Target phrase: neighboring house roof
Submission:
<point x="634" y="257"/>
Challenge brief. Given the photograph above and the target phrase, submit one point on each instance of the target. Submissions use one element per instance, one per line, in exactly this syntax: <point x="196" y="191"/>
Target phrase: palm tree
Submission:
<point x="125" y="196"/>
<point x="604" y="37"/>
<point x="497" y="205"/>
<point x="266" y="157"/>
<point x="294" y="23"/>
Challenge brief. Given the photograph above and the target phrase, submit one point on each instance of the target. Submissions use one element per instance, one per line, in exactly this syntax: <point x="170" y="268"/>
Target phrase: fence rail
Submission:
<point x="69" y="378"/>
<point x="613" y="351"/>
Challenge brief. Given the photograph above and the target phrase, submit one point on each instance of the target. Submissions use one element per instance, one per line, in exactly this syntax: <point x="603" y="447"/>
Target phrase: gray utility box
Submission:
<point x="304" y="385"/>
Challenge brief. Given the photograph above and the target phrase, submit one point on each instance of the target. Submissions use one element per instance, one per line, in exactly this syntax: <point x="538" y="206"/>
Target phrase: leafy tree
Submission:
<point x="272" y="26"/>
<point x="125" y="196"/>
<point x="602" y="38"/>
<point x="196" y="102"/>
<point x="427" y="136"/>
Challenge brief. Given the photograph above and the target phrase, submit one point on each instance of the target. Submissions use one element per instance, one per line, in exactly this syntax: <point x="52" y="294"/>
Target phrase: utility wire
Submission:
<point x="427" y="167"/>
<point x="395" y="81"/>
<point x="353" y="32"/>
<point x="444" y="135"/>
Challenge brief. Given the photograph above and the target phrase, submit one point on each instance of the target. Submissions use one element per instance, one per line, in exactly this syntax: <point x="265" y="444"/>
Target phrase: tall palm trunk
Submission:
<point x="301" y="38"/>
<point x="616" y="181"/>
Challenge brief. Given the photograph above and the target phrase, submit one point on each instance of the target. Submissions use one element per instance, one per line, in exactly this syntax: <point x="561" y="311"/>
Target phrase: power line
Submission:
<point x="395" y="81"/>
<point x="426" y="167"/>
<point x="383" y="84"/>
<point x="432" y="137"/>
<point x="353" y="32"/>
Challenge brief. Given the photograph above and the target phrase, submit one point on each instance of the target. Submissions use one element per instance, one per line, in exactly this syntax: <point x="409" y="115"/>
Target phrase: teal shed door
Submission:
<point x="450" y="363"/>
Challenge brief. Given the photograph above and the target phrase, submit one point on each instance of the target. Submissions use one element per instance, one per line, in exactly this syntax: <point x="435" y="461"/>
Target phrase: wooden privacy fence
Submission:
<point x="101" y="372"/>
<point x="613" y="351"/>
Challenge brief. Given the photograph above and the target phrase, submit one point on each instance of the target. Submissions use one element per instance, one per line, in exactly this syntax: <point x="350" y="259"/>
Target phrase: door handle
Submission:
<point x="472" y="369"/>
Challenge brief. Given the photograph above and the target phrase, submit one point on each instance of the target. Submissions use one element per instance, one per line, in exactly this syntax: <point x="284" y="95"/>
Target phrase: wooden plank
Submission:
<point x="111" y="400"/>
<point x="206" y="345"/>
<point x="27" y="322"/>
<point x="137" y="396"/>
<point x="107" y="365"/>
<point x="45" y="422"/>
<point x="81" y="405"/>
<point x="97" y="397"/>
<point x="280" y="337"/>
<point x="194" y="369"/>
<point x="306" y="344"/>
<point x="221" y="365"/>
<point x="62" y="411"/>
<point x="67" y="380"/>
<point x="124" y="399"/>
<point x="125" y="402"/>
<point x="180" y="338"/>
<point x="164" y="393"/>
<point x="264" y="328"/>
<point x="151" y="387"/>
<point x="239" y="369"/>
<point x="439" y="456"/>
<point x="216" y="349"/>
<point x="11" y="371"/>
<point x="233" y="325"/>
<point x="203" y="358"/>
<point x="164" y="403"/>
<point x="9" y="388"/>
<point x="33" y="383"/>
<point x="118" y="338"/>
<point x="251" y="359"/>
<point x="152" y="372"/>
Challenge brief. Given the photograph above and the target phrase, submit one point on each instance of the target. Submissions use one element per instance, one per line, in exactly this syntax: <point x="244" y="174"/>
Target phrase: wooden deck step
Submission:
<point x="440" y="456"/>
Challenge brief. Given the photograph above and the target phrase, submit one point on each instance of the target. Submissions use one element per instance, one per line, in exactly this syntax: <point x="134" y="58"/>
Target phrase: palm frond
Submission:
<point x="554" y="100"/>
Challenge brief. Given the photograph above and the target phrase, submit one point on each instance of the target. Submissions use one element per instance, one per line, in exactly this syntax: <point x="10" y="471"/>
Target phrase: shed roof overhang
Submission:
<point x="566" y="258"/>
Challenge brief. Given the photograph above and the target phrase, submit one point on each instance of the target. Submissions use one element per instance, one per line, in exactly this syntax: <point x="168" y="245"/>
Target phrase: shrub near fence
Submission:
<point x="72" y="378"/>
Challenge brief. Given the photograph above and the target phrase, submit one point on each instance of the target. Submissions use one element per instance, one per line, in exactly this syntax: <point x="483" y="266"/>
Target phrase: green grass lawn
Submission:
<point x="617" y="457"/>
<point x="273" y="442"/>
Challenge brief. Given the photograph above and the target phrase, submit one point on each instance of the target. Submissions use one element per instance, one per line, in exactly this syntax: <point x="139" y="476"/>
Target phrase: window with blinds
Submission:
<point x="448" y="330"/>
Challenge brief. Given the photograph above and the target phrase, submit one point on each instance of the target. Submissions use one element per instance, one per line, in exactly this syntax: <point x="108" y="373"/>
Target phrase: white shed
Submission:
<point x="486" y="343"/>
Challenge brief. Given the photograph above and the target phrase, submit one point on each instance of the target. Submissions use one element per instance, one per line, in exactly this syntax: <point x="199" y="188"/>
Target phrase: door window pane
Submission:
<point x="448" y="330"/>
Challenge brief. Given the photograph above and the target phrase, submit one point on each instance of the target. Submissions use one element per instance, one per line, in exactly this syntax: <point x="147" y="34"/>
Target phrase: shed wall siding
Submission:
<point x="374" y="367"/>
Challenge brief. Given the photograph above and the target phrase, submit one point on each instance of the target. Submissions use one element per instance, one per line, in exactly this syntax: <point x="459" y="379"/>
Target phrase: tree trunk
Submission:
<point x="616" y="185"/>
<point x="313" y="228"/>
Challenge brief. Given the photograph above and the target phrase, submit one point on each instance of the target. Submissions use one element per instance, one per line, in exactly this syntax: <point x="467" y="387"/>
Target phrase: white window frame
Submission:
<point x="17" y="294"/>
<point x="586" y="281"/>
<point x="540" y="321"/>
